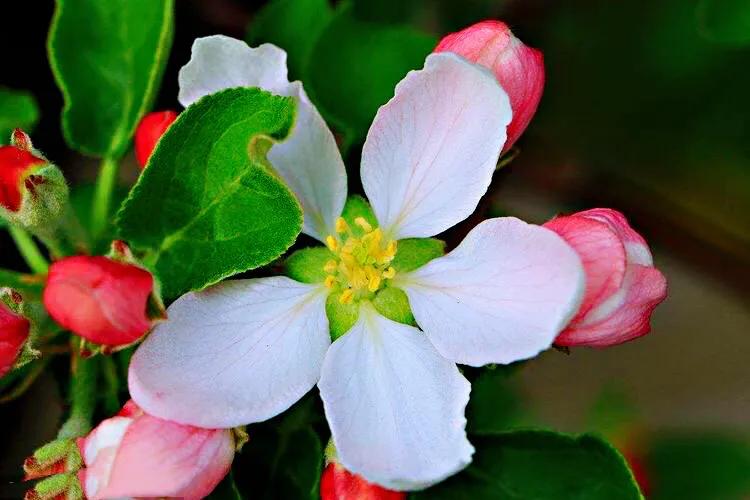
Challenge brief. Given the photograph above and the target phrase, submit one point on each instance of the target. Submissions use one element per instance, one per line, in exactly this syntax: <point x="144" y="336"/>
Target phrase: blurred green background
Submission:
<point x="645" y="109"/>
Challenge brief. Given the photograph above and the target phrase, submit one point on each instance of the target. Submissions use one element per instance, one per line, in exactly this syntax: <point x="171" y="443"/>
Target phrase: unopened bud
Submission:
<point x="14" y="330"/>
<point x="518" y="68"/>
<point x="33" y="192"/>
<point x="149" y="131"/>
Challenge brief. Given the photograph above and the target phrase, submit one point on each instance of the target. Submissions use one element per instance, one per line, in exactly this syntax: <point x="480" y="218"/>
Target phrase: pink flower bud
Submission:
<point x="135" y="454"/>
<point x="622" y="285"/>
<point x="337" y="483"/>
<point x="14" y="330"/>
<point x="16" y="168"/>
<point x="99" y="299"/>
<point x="149" y="131"/>
<point x="518" y="68"/>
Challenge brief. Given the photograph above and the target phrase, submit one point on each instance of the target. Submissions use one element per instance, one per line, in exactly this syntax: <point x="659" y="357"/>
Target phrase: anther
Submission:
<point x="389" y="273"/>
<point x="330" y="266"/>
<point x="341" y="225"/>
<point x="347" y="296"/>
<point x="330" y="281"/>
<point x="332" y="243"/>
<point x="361" y="222"/>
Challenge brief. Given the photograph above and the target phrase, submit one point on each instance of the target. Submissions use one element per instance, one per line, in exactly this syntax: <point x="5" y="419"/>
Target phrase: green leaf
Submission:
<point x="293" y="25"/>
<point x="540" y="465"/>
<point x="284" y="458"/>
<point x="306" y="265"/>
<point x="495" y="406"/>
<point x="108" y="59"/>
<point x="725" y="21"/>
<point x="414" y="253"/>
<point x="394" y="304"/>
<point x="355" y="66"/>
<point x="701" y="466"/>
<point x="207" y="205"/>
<point x="18" y="109"/>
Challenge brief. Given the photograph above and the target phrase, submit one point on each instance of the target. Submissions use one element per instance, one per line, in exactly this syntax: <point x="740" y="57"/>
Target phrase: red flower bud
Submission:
<point x="100" y="299"/>
<point x="519" y="69"/>
<point x="337" y="483"/>
<point x="16" y="164"/>
<point x="135" y="454"/>
<point x="622" y="285"/>
<point x="149" y="131"/>
<point x="14" y="330"/>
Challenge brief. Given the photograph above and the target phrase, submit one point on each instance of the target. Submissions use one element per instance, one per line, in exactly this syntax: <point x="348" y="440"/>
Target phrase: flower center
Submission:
<point x="362" y="263"/>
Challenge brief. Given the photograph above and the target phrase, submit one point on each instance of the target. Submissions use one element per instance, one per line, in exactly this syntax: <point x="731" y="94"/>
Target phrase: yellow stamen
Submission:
<point x="330" y="266"/>
<point x="389" y="273"/>
<point x="341" y="225"/>
<point x="347" y="296"/>
<point x="332" y="243"/>
<point x="330" y="281"/>
<point x="361" y="222"/>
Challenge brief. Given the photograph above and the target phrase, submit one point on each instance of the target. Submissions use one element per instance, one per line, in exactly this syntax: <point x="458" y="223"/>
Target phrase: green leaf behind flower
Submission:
<point x="541" y="465"/>
<point x="108" y="58"/>
<point x="17" y="109"/>
<point x="207" y="206"/>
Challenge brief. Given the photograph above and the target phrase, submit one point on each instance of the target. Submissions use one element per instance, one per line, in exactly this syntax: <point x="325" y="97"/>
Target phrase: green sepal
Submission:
<point x="306" y="265"/>
<point x="357" y="206"/>
<point x="46" y="458"/>
<point x="414" y="253"/>
<point x="341" y="317"/>
<point x="61" y="485"/>
<point x="393" y="303"/>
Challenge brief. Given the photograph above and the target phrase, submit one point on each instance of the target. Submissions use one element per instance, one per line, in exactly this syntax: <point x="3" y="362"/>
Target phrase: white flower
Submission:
<point x="245" y="350"/>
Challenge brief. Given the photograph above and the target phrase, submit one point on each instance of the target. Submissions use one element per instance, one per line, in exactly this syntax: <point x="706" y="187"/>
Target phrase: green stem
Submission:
<point x="29" y="250"/>
<point x="105" y="186"/>
<point x="82" y="396"/>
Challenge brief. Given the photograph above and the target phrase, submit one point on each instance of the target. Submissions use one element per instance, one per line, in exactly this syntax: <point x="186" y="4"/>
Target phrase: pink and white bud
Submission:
<point x="149" y="131"/>
<point x="135" y="454"/>
<point x="14" y="332"/>
<point x="518" y="68"/>
<point x="100" y="299"/>
<point x="622" y="285"/>
<point x="337" y="483"/>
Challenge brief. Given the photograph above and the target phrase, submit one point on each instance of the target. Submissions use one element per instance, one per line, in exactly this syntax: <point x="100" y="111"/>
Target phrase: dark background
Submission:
<point x="645" y="110"/>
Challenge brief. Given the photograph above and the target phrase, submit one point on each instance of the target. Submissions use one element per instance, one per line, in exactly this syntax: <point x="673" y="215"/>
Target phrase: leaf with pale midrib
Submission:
<point x="207" y="205"/>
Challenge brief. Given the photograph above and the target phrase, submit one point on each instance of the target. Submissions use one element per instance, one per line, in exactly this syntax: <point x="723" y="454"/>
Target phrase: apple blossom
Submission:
<point x="14" y="332"/>
<point x="622" y="286"/>
<point x="138" y="455"/>
<point x="518" y="68"/>
<point x="149" y="131"/>
<point x="246" y="350"/>
<point x="99" y="299"/>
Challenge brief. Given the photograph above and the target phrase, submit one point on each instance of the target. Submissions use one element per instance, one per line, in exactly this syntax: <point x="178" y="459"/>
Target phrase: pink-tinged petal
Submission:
<point x="624" y="316"/>
<point x="159" y="458"/>
<point x="309" y="160"/>
<point x="99" y="450"/>
<point x="602" y="254"/>
<point x="618" y="313"/>
<point x="394" y="405"/>
<point x="240" y="352"/>
<point x="99" y="299"/>
<point x="501" y="296"/>
<point x="518" y="68"/>
<point x="432" y="149"/>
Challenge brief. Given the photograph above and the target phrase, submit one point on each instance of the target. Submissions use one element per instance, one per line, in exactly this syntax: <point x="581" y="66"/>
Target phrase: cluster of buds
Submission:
<point x="33" y="192"/>
<point x="109" y="301"/>
<point x="133" y="454"/>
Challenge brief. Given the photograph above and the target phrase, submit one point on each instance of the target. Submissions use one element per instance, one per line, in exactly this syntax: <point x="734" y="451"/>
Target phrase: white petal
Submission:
<point x="394" y="405"/>
<point x="240" y="352"/>
<point x="309" y="160"/>
<point x="501" y="296"/>
<point x="432" y="149"/>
